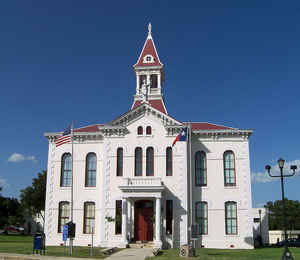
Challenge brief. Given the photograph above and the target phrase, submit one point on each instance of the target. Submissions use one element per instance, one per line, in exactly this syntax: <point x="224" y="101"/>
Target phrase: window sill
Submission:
<point x="237" y="235"/>
<point x="90" y="188"/>
<point x="231" y="187"/>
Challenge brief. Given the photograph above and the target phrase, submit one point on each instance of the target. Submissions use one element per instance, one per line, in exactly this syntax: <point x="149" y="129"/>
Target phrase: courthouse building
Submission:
<point x="131" y="184"/>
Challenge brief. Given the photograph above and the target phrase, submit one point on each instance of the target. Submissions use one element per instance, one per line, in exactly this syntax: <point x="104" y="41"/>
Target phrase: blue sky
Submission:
<point x="234" y="63"/>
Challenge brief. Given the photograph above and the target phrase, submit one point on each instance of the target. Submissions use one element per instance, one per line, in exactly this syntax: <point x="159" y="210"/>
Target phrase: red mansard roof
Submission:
<point x="158" y="104"/>
<point x="207" y="126"/>
<point x="90" y="128"/>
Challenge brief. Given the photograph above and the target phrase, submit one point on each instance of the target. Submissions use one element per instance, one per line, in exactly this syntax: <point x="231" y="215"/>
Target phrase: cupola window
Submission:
<point x="148" y="59"/>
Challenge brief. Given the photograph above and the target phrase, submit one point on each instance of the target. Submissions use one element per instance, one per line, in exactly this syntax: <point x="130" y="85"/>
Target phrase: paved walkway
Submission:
<point x="125" y="254"/>
<point x="131" y="254"/>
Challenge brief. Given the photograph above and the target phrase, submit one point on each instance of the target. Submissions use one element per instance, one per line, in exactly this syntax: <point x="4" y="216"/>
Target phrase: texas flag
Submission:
<point x="182" y="136"/>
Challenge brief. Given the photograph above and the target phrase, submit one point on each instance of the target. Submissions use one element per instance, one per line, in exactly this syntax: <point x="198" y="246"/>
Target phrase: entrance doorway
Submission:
<point x="143" y="220"/>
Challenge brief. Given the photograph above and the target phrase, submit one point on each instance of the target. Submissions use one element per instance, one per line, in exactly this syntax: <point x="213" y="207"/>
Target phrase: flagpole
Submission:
<point x="72" y="199"/>
<point x="191" y="179"/>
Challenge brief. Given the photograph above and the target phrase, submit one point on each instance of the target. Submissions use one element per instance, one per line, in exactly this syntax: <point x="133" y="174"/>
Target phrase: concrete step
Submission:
<point x="141" y="244"/>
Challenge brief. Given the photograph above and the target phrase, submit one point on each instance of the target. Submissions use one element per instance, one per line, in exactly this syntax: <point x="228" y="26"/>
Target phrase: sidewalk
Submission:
<point x="126" y="254"/>
<point x="131" y="254"/>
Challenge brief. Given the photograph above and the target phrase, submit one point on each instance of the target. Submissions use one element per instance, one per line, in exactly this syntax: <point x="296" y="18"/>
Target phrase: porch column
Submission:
<point x="129" y="219"/>
<point x="158" y="241"/>
<point x="124" y="220"/>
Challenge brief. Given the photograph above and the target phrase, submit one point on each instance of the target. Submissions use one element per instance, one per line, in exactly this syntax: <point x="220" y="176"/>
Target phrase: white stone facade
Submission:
<point x="104" y="140"/>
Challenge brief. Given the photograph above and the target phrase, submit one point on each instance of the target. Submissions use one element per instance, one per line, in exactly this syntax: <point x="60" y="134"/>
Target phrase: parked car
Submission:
<point x="14" y="230"/>
<point x="291" y="242"/>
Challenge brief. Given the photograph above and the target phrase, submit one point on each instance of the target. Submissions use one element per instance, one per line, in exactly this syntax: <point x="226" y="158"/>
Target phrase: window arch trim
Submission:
<point x="66" y="170"/>
<point x="150" y="161"/>
<point x="229" y="168"/>
<point x="138" y="161"/>
<point x="169" y="161"/>
<point x="201" y="217"/>
<point x="87" y="229"/>
<point x="120" y="158"/>
<point x="140" y="130"/>
<point x="231" y="221"/>
<point x="200" y="168"/>
<point x="90" y="170"/>
<point x="148" y="130"/>
<point x="61" y="218"/>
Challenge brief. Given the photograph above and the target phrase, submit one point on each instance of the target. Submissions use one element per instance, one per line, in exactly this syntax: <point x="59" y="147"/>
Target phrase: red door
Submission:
<point x="143" y="225"/>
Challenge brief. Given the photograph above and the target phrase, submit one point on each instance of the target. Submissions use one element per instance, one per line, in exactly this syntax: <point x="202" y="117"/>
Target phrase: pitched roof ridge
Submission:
<point x="87" y="126"/>
<point x="211" y="124"/>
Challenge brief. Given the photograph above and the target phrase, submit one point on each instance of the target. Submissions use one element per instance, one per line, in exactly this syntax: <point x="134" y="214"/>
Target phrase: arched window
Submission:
<point x="63" y="214"/>
<point x="90" y="172"/>
<point x="231" y="218"/>
<point x="88" y="217"/>
<point x="169" y="161"/>
<point x="202" y="217"/>
<point x="148" y="130"/>
<point x="200" y="169"/>
<point x="229" y="169"/>
<point x="120" y="161"/>
<point x="150" y="161"/>
<point x="138" y="161"/>
<point x="66" y="170"/>
<point x="140" y="130"/>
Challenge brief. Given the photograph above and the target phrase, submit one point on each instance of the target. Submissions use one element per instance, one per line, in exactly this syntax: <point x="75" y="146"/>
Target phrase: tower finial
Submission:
<point x="149" y="28"/>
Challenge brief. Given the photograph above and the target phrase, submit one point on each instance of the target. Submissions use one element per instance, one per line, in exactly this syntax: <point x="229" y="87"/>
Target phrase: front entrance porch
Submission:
<point x="141" y="210"/>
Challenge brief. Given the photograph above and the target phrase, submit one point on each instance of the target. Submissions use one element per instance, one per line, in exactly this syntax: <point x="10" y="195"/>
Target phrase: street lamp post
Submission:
<point x="287" y="254"/>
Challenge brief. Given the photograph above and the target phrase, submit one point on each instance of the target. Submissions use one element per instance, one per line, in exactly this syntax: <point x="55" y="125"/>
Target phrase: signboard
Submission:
<point x="65" y="233"/>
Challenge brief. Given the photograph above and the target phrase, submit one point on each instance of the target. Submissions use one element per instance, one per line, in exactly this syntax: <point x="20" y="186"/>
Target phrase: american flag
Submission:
<point x="64" y="138"/>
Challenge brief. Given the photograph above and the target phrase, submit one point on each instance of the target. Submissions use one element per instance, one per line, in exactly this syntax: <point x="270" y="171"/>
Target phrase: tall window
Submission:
<point x="89" y="216"/>
<point x="230" y="218"/>
<point x="229" y="169"/>
<point x="120" y="161"/>
<point x="200" y="169"/>
<point x="169" y="161"/>
<point x="142" y="79"/>
<point x="148" y="130"/>
<point x="169" y="217"/>
<point x="63" y="214"/>
<point x="140" y="130"/>
<point x="153" y="79"/>
<point x="118" y="217"/>
<point x="202" y="217"/>
<point x="90" y="173"/>
<point x="66" y="170"/>
<point x="138" y="161"/>
<point x="150" y="161"/>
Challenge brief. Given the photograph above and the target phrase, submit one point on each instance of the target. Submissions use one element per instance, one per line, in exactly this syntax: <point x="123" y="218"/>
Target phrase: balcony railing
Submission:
<point x="142" y="182"/>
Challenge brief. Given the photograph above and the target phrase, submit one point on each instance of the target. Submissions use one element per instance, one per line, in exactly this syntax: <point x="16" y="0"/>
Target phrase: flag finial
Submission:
<point x="149" y="28"/>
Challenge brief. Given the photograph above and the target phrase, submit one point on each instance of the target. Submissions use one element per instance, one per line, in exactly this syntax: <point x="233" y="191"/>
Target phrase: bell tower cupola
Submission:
<point x="149" y="74"/>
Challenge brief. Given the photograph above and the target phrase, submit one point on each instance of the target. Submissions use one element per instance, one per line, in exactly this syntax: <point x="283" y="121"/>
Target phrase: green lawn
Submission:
<point x="227" y="254"/>
<point x="24" y="244"/>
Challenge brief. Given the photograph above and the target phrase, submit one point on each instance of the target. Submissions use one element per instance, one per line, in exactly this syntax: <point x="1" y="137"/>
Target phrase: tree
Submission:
<point x="33" y="197"/>
<point x="10" y="212"/>
<point x="276" y="214"/>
